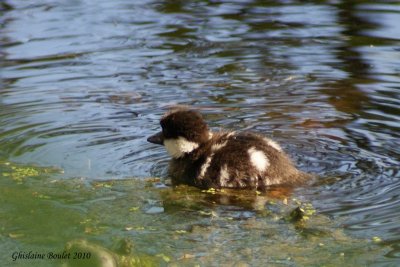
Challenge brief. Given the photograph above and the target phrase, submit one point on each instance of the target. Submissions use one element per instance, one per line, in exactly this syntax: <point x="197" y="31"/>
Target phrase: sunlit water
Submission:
<point x="85" y="82"/>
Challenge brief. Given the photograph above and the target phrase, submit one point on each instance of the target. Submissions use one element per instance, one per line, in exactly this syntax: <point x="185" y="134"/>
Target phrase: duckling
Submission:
<point x="226" y="159"/>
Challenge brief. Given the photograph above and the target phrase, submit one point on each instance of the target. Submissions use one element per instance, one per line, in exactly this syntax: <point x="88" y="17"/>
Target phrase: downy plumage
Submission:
<point x="222" y="159"/>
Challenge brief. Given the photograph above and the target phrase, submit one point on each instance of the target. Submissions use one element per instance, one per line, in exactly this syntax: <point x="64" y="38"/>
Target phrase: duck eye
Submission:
<point x="164" y="131"/>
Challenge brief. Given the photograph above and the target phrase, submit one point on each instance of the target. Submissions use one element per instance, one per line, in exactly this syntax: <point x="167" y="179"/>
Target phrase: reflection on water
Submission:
<point x="84" y="82"/>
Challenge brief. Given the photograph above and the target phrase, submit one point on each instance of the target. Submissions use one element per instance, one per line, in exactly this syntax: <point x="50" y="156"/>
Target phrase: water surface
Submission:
<point x="83" y="83"/>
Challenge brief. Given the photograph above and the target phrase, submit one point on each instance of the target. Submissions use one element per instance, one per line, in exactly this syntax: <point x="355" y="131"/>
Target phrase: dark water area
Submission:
<point x="83" y="84"/>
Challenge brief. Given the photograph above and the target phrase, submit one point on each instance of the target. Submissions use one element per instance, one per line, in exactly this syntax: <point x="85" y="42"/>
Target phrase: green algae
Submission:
<point x="45" y="213"/>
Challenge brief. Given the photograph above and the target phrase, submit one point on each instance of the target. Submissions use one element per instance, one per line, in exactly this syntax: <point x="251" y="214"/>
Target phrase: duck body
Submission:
<point x="208" y="159"/>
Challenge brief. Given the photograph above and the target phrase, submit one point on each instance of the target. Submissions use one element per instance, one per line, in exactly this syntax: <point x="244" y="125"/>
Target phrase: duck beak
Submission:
<point x="157" y="139"/>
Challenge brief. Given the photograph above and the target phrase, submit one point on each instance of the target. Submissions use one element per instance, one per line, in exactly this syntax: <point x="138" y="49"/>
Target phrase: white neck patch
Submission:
<point x="178" y="147"/>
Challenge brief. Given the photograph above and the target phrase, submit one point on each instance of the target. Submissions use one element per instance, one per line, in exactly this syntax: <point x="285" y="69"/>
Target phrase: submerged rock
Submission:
<point x="85" y="254"/>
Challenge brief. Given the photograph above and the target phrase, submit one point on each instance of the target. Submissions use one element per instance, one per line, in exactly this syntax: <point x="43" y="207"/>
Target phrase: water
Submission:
<point x="85" y="82"/>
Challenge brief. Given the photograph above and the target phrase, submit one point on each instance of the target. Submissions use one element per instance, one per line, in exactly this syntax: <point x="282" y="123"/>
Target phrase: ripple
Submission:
<point x="324" y="85"/>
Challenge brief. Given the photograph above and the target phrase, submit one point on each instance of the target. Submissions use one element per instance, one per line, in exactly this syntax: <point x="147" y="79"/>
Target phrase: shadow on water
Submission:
<point x="83" y="85"/>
